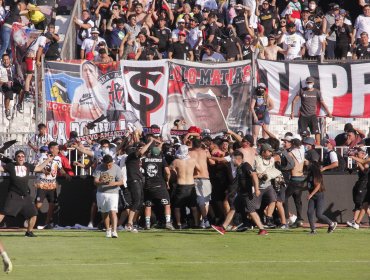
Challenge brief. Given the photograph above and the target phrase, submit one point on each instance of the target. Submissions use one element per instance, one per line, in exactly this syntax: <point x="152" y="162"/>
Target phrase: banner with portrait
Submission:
<point x="79" y="93"/>
<point x="204" y="94"/>
<point x="145" y="85"/>
<point x="345" y="87"/>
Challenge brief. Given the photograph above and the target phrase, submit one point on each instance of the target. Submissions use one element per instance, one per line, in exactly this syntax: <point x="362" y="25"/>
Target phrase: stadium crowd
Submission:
<point x="223" y="30"/>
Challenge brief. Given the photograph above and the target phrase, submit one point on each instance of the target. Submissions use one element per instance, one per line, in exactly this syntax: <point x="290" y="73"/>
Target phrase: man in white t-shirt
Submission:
<point x="293" y="43"/>
<point x="315" y="41"/>
<point x="91" y="44"/>
<point x="362" y="24"/>
<point x="211" y="55"/>
<point x="195" y="36"/>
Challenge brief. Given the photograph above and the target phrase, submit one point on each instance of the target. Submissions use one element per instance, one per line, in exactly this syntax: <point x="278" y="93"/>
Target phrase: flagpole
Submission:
<point x="210" y="92"/>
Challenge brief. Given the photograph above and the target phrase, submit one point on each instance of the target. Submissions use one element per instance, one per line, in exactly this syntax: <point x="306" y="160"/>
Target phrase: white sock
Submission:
<point x="168" y="218"/>
<point x="5" y="256"/>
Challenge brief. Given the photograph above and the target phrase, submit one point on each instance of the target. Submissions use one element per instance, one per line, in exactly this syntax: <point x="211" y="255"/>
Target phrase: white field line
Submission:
<point x="198" y="263"/>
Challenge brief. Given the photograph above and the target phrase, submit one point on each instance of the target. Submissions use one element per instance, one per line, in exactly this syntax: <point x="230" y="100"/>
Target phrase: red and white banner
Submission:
<point x="345" y="87"/>
<point x="145" y="85"/>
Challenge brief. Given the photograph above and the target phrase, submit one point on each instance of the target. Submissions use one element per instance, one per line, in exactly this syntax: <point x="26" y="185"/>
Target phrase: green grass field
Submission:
<point x="190" y="254"/>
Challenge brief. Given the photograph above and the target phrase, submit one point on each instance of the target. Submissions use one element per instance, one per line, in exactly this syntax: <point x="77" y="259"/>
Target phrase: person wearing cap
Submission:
<point x="157" y="175"/>
<point x="362" y="50"/>
<point x="84" y="26"/>
<point x="90" y="45"/>
<point x="176" y="31"/>
<point x="311" y="154"/>
<point x="181" y="49"/>
<point x="195" y="37"/>
<point x="161" y="36"/>
<point x="185" y="194"/>
<point x="293" y="43"/>
<point x="330" y="160"/>
<point x="211" y="30"/>
<point x="260" y="106"/>
<point x="270" y="52"/>
<point x="267" y="16"/>
<point x="309" y="97"/>
<point x="343" y="37"/>
<point x="211" y="55"/>
<point x="362" y="24"/>
<point x="305" y="19"/>
<point x="328" y="21"/>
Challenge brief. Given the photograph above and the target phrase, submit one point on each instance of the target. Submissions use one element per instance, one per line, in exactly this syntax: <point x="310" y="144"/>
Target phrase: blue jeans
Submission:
<point x="5" y="39"/>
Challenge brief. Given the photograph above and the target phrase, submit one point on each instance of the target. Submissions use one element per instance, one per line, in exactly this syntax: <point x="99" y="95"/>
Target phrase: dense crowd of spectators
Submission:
<point x="222" y="30"/>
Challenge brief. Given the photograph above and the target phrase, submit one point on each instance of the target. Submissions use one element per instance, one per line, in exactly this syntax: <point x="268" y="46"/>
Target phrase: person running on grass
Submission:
<point x="315" y="184"/>
<point x="249" y="196"/>
<point x="8" y="267"/>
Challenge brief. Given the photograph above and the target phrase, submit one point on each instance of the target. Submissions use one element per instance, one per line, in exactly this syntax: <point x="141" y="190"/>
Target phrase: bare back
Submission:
<point x="249" y="155"/>
<point x="299" y="164"/>
<point x="185" y="169"/>
<point x="201" y="157"/>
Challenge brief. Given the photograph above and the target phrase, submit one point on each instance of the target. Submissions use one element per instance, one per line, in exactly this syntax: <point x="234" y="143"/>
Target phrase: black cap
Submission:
<point x="290" y="24"/>
<point x="305" y="9"/>
<point x="205" y="10"/>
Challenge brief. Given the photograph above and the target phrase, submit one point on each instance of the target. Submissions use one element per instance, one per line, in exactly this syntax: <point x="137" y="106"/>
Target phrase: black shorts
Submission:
<point x="359" y="194"/>
<point x="9" y="91"/>
<point x="281" y="195"/>
<point x="185" y="195"/>
<point x="16" y="204"/>
<point x="50" y="195"/>
<point x="310" y="122"/>
<point x="156" y="195"/>
<point x="135" y="188"/>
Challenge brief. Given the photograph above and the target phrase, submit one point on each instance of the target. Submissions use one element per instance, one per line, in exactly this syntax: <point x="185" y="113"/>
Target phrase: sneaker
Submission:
<point x="49" y="226"/>
<point x="269" y="224"/>
<point x="147" y="227"/>
<point x="30" y="234"/>
<point x="313" y="231"/>
<point x="169" y="226"/>
<point x="108" y="233"/>
<point x="332" y="227"/>
<point x="292" y="219"/>
<point x="90" y="225"/>
<point x="120" y="228"/>
<point x="114" y="234"/>
<point x="7" y="114"/>
<point x="262" y="232"/>
<point x="220" y="229"/>
<point x="350" y="223"/>
<point x="356" y="225"/>
<point x="284" y="227"/>
<point x="131" y="228"/>
<point x="207" y="224"/>
<point x="20" y="108"/>
<point x="8" y="266"/>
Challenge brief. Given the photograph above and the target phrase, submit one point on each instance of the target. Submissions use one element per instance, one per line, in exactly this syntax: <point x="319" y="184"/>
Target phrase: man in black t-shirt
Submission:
<point x="181" y="49"/>
<point x="156" y="185"/>
<point x="162" y="37"/>
<point x="362" y="51"/>
<point x="52" y="53"/>
<point x="135" y="179"/>
<point x="19" y="199"/>
<point x="309" y="97"/>
<point x="267" y="16"/>
<point x="239" y="23"/>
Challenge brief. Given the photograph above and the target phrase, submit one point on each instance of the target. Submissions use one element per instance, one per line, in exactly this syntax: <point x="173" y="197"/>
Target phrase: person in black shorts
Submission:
<point x="309" y="97"/>
<point x="135" y="180"/>
<point x="155" y="188"/>
<point x="19" y="199"/>
<point x="248" y="193"/>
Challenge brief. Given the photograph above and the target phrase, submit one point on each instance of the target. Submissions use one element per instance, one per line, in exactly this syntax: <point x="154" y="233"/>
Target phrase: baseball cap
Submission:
<point x="272" y="36"/>
<point x="180" y="20"/>
<point x="248" y="138"/>
<point x="336" y="7"/>
<point x="288" y="138"/>
<point x="309" y="141"/>
<point x="182" y="152"/>
<point x="155" y="151"/>
<point x="248" y="38"/>
<point x="297" y="136"/>
<point x="44" y="149"/>
<point x="266" y="147"/>
<point x="182" y="33"/>
<point x="205" y="10"/>
<point x="95" y="30"/>
<point x="310" y="80"/>
<point x="261" y="85"/>
<point x="194" y="129"/>
<point x="331" y="141"/>
<point x="290" y="25"/>
<point x="305" y="9"/>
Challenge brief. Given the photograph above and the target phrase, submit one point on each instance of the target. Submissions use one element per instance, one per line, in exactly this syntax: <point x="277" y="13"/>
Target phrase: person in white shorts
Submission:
<point x="108" y="179"/>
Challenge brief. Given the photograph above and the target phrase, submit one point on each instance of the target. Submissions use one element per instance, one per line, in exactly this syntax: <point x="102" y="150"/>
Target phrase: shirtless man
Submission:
<point x="271" y="50"/>
<point x="185" y="194"/>
<point x="203" y="185"/>
<point x="297" y="179"/>
<point x="249" y="153"/>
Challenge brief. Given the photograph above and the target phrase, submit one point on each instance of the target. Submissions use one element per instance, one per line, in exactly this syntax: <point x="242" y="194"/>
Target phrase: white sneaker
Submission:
<point x="292" y="219"/>
<point x="108" y="233"/>
<point x="8" y="267"/>
<point x="356" y="226"/>
<point x="90" y="225"/>
<point x="114" y="234"/>
<point x="350" y="223"/>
